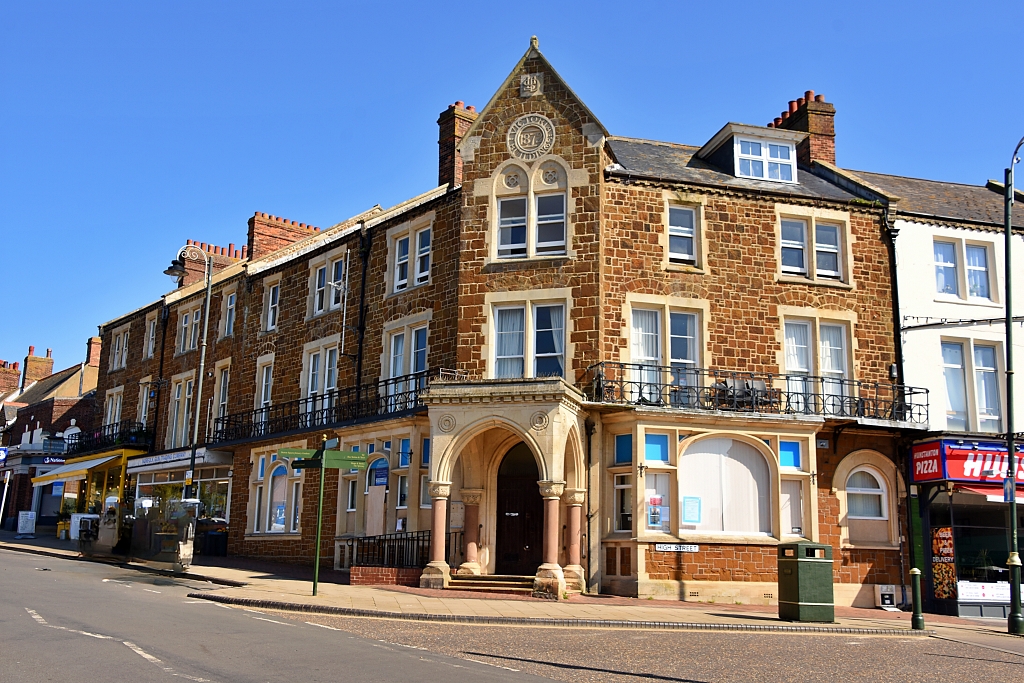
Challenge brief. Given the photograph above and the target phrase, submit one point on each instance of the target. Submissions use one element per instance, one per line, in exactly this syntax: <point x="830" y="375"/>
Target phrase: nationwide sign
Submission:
<point x="955" y="460"/>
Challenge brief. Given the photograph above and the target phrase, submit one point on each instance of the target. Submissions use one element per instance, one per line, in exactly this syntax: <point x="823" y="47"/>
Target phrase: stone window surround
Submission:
<point x="811" y="215"/>
<point x="665" y="304"/>
<point x="528" y="298"/>
<point x="492" y="187"/>
<point x="404" y="324"/>
<point x="144" y="388"/>
<point x="192" y="309"/>
<point x="324" y="260"/>
<point x="961" y="239"/>
<point x="119" y="338"/>
<point x="410" y="229"/>
<point x="697" y="203"/>
<point x="308" y="349"/>
<point x="688" y="436"/>
<point x="895" y="490"/>
<point x="152" y="325"/>
<point x="222" y="330"/>
<point x="267" y="284"/>
<point x="816" y="317"/>
<point x="262" y="362"/>
<point x="254" y="481"/>
<point x="169" y="430"/>
<point x="219" y="368"/>
<point x="114" y="394"/>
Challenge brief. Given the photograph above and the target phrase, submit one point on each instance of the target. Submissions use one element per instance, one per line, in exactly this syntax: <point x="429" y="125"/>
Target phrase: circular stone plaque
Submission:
<point x="531" y="137"/>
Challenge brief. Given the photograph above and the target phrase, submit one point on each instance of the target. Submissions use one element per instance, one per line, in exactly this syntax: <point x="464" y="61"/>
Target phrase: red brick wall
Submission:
<point x="715" y="562"/>
<point x="270" y="233"/>
<point x="384" y="576"/>
<point x="10" y="376"/>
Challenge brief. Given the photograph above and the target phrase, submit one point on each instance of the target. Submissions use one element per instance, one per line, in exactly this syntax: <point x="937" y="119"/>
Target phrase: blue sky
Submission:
<point x="126" y="128"/>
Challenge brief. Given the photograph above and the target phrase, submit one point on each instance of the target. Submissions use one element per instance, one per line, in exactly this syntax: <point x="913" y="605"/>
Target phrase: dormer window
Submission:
<point x="765" y="160"/>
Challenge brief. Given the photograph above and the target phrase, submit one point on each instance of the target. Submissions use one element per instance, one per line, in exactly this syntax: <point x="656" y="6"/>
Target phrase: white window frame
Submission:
<point x="683" y="232"/>
<point x="230" y="305"/>
<point x="622" y="481"/>
<point x="825" y="248"/>
<point x="265" y="385"/>
<point x="425" y="501"/>
<point x="555" y="248"/>
<point x="150" y="336"/>
<point x="514" y="250"/>
<point x="402" y="264"/>
<point x="993" y="370"/>
<point x="352" y="495"/>
<point x="815" y="364"/>
<point x="403" y="482"/>
<point x="985" y="270"/>
<point x="530" y="330"/>
<point x="114" y="404"/>
<point x="811" y="248"/>
<point x="765" y="159"/>
<point x="423" y="255"/>
<point x="223" y="389"/>
<point x="119" y="351"/>
<point x="337" y="295"/>
<point x="320" y="290"/>
<point x="193" y="340"/>
<point x="184" y="316"/>
<point x="946" y="265"/>
<point x="882" y="493"/>
<point x="144" y="401"/>
<point x="260" y="488"/>
<point x="273" y="305"/>
<point x="801" y="245"/>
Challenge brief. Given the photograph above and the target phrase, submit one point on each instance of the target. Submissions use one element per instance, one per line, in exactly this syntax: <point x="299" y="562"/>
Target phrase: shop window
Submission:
<point x="403" y="492"/>
<point x="791" y="507"/>
<point x="404" y="451"/>
<point x="623" y="449"/>
<point x="657" y="495"/>
<point x="277" y="495"/>
<point x="376" y="474"/>
<point x="728" y="485"/>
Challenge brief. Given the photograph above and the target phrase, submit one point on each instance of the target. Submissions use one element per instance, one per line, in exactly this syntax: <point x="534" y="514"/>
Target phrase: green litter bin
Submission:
<point x="805" y="582"/>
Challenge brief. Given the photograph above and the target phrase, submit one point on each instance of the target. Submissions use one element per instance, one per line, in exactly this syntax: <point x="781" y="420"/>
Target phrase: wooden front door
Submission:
<point x="520" y="523"/>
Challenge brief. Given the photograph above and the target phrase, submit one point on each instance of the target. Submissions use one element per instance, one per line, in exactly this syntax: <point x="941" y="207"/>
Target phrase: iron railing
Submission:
<point x="124" y="433"/>
<point x="687" y="387"/>
<point x="387" y="398"/>
<point x="402" y="550"/>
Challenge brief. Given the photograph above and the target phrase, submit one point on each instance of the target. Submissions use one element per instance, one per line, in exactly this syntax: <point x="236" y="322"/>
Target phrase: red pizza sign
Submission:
<point x="986" y="462"/>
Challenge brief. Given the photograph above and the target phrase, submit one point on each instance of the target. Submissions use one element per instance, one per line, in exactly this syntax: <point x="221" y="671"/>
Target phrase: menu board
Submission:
<point x="943" y="563"/>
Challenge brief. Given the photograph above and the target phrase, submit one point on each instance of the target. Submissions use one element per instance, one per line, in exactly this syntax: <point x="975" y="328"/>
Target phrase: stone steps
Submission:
<point x="492" y="583"/>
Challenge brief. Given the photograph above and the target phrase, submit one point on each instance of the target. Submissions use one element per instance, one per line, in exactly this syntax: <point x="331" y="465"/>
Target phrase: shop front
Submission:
<point x="963" y="524"/>
<point x="94" y="495"/>
<point x="161" y="511"/>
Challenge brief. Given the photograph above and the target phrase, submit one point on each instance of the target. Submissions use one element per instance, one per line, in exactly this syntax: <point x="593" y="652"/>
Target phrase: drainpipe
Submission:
<point x="590" y="428"/>
<point x="365" y="240"/>
<point x="164" y="317"/>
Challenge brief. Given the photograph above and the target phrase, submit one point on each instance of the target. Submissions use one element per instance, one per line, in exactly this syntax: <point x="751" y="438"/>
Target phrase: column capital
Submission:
<point x="551" y="489"/>
<point x="574" y="496"/>
<point x="440" y="489"/>
<point x="472" y="496"/>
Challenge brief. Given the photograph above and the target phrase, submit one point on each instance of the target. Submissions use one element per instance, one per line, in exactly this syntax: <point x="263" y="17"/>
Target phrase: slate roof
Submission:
<point x="47" y="386"/>
<point x="936" y="199"/>
<point x="674" y="162"/>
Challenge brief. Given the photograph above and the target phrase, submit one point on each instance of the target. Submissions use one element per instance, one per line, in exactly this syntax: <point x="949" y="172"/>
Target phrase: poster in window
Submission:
<point x="659" y="513"/>
<point x="943" y="563"/>
<point x="691" y="510"/>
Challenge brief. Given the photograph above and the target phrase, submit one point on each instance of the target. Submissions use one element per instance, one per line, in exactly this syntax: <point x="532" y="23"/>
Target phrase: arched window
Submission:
<point x="724" y="487"/>
<point x="865" y="495"/>
<point x="377" y="474"/>
<point x="276" y="495"/>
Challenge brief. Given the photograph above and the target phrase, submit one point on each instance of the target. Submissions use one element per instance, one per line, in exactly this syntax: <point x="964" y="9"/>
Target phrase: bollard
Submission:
<point x="917" y="621"/>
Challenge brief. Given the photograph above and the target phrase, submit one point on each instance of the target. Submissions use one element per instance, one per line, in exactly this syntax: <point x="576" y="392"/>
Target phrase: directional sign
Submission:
<point x="296" y="453"/>
<point x="345" y="460"/>
<point x="308" y="464"/>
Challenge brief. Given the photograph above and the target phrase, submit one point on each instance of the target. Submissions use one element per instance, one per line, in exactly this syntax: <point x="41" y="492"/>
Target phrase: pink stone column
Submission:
<point x="438" y="530"/>
<point x="437" y="573"/>
<point x="574" y="575"/>
<point x="550" y="581"/>
<point x="550" y="554"/>
<point x="575" y="516"/>
<point x="471" y="501"/>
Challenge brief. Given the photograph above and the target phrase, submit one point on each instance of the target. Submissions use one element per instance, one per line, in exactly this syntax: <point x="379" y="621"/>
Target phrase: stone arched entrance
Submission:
<point x="519" y="532"/>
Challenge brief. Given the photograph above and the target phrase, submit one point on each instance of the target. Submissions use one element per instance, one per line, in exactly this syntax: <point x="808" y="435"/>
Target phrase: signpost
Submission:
<point x="321" y="459"/>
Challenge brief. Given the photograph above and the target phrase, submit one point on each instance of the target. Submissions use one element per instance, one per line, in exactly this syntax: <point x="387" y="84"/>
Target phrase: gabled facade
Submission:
<point x="592" y="361"/>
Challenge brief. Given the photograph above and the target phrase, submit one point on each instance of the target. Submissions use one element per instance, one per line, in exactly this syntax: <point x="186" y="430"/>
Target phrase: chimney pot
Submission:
<point x="800" y="102"/>
<point x="31" y="350"/>
<point x="778" y="120"/>
<point x="471" y="108"/>
<point x="17" y="365"/>
<point x="793" y="106"/>
<point x="49" y="353"/>
<point x="243" y="251"/>
<point x="819" y="98"/>
<point x="785" y="115"/>
<point x="459" y="104"/>
<point x="771" y="125"/>
<point x="809" y="95"/>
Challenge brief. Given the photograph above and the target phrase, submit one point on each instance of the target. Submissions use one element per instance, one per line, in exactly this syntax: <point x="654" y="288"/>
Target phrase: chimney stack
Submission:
<point x="36" y="368"/>
<point x="93" y="346"/>
<point x="812" y="114"/>
<point x="9" y="377"/>
<point x="452" y="126"/>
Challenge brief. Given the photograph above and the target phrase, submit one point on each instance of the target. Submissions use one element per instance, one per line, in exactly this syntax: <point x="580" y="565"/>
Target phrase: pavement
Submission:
<point x="287" y="588"/>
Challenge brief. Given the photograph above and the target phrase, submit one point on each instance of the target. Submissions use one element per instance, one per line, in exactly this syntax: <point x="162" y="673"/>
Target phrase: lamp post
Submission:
<point x="177" y="270"/>
<point x="1015" y="622"/>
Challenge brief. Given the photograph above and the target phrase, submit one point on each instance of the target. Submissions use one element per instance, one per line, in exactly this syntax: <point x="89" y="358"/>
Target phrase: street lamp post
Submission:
<point x="1015" y="622"/>
<point x="177" y="269"/>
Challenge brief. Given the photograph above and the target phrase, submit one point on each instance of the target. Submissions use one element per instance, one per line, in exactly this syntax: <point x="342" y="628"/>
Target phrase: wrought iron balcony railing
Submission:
<point x="387" y="398"/>
<point x="692" y="388"/>
<point x="124" y="433"/>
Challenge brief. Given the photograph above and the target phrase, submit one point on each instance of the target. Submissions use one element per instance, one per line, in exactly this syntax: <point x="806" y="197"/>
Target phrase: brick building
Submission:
<point x="588" y="360"/>
<point x="51" y="406"/>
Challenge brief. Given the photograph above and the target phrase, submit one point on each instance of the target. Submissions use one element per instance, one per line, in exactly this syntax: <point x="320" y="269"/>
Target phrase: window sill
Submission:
<point x="684" y="268"/>
<point x="272" y="535"/>
<point x="406" y="290"/>
<point x="846" y="545"/>
<point x="717" y="539"/>
<point x="819" y="282"/>
<point x="982" y="303"/>
<point x="621" y="467"/>
<point x="494" y="264"/>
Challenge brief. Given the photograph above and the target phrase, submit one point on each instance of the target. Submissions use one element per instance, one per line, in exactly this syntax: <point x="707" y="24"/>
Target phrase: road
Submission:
<point x="62" y="620"/>
<point x="65" y="620"/>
